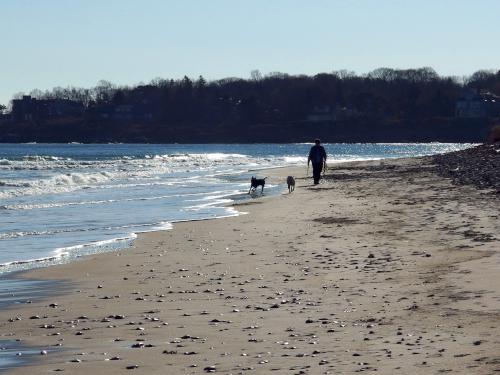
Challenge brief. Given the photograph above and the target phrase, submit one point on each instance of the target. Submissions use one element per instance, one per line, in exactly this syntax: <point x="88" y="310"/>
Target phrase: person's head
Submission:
<point x="317" y="141"/>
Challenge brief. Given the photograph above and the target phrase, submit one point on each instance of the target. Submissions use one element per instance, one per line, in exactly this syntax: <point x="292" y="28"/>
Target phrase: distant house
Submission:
<point x="61" y="108"/>
<point x="478" y="105"/>
<point x="30" y="109"/>
<point x="4" y="118"/>
<point x="24" y="109"/>
<point x="122" y="113"/>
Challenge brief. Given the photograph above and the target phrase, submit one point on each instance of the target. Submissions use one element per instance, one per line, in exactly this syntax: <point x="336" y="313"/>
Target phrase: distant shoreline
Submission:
<point x="449" y="130"/>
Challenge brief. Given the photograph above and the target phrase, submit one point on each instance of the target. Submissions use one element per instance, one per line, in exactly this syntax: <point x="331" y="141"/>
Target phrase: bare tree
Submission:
<point x="18" y="95"/>
<point x="256" y="75"/>
<point x="36" y="93"/>
<point x="159" y="82"/>
<point x="104" y="91"/>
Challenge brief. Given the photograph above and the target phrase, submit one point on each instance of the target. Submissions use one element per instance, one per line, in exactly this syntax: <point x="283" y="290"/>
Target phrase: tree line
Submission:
<point x="168" y="105"/>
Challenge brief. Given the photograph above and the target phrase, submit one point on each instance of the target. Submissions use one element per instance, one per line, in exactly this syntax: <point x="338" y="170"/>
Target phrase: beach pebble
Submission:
<point x="43" y="352"/>
<point x="132" y="367"/>
<point x="210" y="369"/>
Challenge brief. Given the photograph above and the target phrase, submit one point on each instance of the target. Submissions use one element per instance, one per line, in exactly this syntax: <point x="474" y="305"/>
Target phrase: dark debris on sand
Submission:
<point x="479" y="166"/>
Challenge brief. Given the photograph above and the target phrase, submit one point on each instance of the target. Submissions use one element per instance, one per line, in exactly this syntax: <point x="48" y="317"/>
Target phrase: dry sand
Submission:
<point x="384" y="267"/>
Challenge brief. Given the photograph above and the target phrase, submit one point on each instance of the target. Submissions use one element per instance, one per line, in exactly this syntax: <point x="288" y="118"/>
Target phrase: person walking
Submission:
<point x="317" y="156"/>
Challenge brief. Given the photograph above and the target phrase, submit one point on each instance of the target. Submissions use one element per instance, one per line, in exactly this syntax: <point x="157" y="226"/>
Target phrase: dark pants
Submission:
<point x="317" y="169"/>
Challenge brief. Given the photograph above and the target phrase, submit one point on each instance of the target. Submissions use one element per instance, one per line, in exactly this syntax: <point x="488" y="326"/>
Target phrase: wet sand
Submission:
<point x="383" y="267"/>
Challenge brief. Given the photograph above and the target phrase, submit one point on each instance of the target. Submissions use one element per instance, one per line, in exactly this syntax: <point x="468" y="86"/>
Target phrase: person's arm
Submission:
<point x="309" y="157"/>
<point x="324" y="153"/>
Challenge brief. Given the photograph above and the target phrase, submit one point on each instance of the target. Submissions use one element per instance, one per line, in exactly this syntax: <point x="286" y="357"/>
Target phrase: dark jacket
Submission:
<point x="317" y="154"/>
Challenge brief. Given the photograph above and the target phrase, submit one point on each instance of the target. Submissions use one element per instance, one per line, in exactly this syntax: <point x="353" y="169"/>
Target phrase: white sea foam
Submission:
<point x="9" y="235"/>
<point x="96" y="246"/>
<point x="144" y="227"/>
<point x="105" y="201"/>
<point x="295" y="159"/>
<point x="58" y="183"/>
<point x="212" y="203"/>
<point x="65" y="254"/>
<point x="88" y="173"/>
<point x="160" y="226"/>
<point x="41" y="162"/>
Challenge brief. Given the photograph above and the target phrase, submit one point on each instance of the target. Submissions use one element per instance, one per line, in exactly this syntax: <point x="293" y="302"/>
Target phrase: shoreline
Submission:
<point x="319" y="276"/>
<point x="113" y="244"/>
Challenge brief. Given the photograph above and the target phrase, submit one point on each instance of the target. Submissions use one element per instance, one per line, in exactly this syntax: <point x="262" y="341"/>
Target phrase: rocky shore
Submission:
<point x="479" y="166"/>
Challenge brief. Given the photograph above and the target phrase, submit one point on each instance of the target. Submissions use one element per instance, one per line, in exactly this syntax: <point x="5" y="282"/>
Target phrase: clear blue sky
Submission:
<point x="47" y="43"/>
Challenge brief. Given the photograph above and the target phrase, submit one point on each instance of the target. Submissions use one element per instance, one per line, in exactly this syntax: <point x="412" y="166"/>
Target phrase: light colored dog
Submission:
<point x="290" y="181"/>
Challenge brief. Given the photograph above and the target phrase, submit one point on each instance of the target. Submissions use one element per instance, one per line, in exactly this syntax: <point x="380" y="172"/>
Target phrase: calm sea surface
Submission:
<point x="58" y="202"/>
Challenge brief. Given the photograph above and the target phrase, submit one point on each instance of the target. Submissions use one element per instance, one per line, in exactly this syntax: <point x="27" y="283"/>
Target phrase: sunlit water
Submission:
<point x="58" y="202"/>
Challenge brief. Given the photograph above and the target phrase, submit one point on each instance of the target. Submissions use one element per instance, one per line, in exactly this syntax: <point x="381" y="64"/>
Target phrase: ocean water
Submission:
<point x="14" y="354"/>
<point x="61" y="201"/>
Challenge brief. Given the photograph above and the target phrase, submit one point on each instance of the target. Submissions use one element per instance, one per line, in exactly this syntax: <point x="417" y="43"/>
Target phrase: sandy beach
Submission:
<point x="385" y="267"/>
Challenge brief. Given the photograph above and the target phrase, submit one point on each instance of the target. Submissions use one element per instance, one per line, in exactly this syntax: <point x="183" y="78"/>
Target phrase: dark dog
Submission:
<point x="255" y="183"/>
<point x="290" y="181"/>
